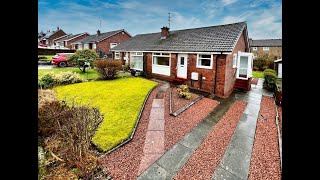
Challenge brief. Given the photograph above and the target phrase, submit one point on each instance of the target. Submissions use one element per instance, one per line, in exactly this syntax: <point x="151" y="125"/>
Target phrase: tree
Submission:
<point x="83" y="58"/>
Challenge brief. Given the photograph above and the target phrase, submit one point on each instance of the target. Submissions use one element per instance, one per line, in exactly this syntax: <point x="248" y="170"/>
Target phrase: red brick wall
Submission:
<point x="55" y="36"/>
<point x="104" y="45"/>
<point x="230" y="76"/>
<point x="77" y="39"/>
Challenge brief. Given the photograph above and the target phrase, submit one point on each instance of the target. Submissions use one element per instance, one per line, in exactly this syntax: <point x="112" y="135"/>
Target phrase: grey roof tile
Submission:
<point x="206" y="39"/>
<point x="266" y="42"/>
<point x="95" y="37"/>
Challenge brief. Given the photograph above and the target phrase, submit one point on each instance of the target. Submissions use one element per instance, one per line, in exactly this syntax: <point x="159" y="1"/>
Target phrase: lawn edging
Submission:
<point x="125" y="141"/>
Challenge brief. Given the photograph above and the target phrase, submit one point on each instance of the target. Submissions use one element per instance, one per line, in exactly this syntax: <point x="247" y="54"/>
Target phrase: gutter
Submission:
<point x="279" y="136"/>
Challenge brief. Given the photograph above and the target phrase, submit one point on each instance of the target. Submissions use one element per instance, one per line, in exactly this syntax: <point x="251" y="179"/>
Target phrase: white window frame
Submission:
<point x="157" y="54"/>
<point x="112" y="45"/>
<point x="204" y="67"/>
<point x="254" y="48"/>
<point x="249" y="67"/>
<point x="94" y="46"/>
<point x="116" y="53"/>
<point x="234" y="61"/>
<point x="265" y="48"/>
<point x="86" y="46"/>
<point x="136" y="54"/>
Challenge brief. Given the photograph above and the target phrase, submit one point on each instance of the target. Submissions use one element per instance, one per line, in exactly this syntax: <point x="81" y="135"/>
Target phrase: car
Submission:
<point x="61" y="59"/>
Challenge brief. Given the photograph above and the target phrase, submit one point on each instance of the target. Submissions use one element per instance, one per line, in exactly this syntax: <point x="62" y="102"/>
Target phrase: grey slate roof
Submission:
<point x="95" y="38"/>
<point x="266" y="43"/>
<point x="69" y="37"/>
<point x="221" y="38"/>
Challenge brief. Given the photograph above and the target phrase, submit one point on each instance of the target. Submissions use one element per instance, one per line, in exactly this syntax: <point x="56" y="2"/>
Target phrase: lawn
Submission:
<point x="119" y="100"/>
<point x="257" y="74"/>
<point x="91" y="74"/>
<point x="46" y="57"/>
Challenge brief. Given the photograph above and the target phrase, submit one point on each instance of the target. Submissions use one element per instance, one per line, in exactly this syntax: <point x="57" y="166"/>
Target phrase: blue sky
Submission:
<point x="264" y="17"/>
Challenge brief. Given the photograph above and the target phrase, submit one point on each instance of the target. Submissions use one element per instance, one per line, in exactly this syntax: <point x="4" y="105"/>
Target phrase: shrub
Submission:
<point x="125" y="67"/>
<point x="133" y="72"/>
<point x="269" y="79"/>
<point x="255" y="68"/>
<point x="264" y="68"/>
<point x="183" y="92"/>
<point x="68" y="130"/>
<point x="263" y="62"/>
<point x="69" y="78"/>
<point x="142" y="74"/>
<point x="48" y="80"/>
<point x="82" y="57"/>
<point x="107" y="69"/>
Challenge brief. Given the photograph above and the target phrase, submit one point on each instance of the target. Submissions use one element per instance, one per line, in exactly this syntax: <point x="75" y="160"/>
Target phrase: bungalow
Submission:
<point x="66" y="41"/>
<point x="213" y="59"/>
<point x="102" y="42"/>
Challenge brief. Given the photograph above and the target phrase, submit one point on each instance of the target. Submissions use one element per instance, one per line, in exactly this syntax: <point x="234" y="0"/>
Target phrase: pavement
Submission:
<point x="235" y="163"/>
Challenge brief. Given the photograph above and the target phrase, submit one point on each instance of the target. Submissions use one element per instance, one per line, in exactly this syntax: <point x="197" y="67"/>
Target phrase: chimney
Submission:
<point x="98" y="33"/>
<point x="164" y="32"/>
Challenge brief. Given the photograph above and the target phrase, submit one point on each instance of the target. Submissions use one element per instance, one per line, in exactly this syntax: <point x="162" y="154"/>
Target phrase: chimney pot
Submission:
<point x="98" y="33"/>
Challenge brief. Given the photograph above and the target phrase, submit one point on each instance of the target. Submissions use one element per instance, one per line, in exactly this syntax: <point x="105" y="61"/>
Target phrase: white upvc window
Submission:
<point x="234" y="64"/>
<point x="80" y="46"/>
<point x="161" y="63"/>
<point x="136" y="60"/>
<point x="254" y="48"/>
<point x="204" y="61"/>
<point x="112" y="45"/>
<point x="265" y="48"/>
<point x="116" y="55"/>
<point x="94" y="46"/>
<point x="86" y="46"/>
<point x="245" y="64"/>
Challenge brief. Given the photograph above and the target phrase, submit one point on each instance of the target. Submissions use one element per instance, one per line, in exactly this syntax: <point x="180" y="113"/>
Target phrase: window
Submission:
<point x="266" y="48"/>
<point x="80" y="46"/>
<point x="254" y="48"/>
<point x="234" y="65"/>
<point x="94" y="46"/>
<point x="86" y="46"/>
<point x="112" y="45"/>
<point x="162" y="59"/>
<point x="243" y="69"/>
<point x="204" y="61"/>
<point x="136" y="60"/>
<point x="117" y="55"/>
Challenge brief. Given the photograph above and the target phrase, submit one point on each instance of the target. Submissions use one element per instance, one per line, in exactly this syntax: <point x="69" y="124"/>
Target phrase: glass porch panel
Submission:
<point x="243" y="73"/>
<point x="243" y="62"/>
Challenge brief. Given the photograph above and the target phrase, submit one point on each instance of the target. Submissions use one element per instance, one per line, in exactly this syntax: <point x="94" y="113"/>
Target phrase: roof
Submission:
<point x="220" y="38"/>
<point x="70" y="37"/>
<point x="102" y="36"/>
<point x="266" y="42"/>
<point x="48" y="34"/>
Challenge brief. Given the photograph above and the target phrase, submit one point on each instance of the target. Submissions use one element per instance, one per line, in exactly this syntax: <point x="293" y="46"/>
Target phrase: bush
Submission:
<point x="263" y="62"/>
<point x="183" y="92"/>
<point x="81" y="57"/>
<point x="68" y="131"/>
<point x="107" y="69"/>
<point x="125" y="67"/>
<point x="142" y="74"/>
<point x="255" y="68"/>
<point x="48" y="80"/>
<point x="269" y="79"/>
<point x="69" y="78"/>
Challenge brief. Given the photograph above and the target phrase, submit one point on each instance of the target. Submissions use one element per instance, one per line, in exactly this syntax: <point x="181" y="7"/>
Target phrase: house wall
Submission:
<point x="59" y="33"/>
<point x="230" y="72"/>
<point x="104" y="45"/>
<point x="273" y="51"/>
<point x="76" y="39"/>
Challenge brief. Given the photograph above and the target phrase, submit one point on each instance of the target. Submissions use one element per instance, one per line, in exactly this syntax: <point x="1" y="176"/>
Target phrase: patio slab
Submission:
<point x="156" y="125"/>
<point x="221" y="173"/>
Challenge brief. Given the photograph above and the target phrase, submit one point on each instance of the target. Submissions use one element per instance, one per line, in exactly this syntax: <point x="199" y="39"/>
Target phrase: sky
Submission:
<point x="263" y="17"/>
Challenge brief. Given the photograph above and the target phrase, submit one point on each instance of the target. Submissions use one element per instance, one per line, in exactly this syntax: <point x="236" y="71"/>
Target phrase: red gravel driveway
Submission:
<point x="265" y="158"/>
<point x="180" y="102"/>
<point x="206" y="158"/>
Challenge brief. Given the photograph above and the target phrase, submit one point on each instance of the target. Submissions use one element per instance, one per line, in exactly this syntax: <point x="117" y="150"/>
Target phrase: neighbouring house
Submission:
<point x="52" y="36"/>
<point x="68" y="40"/>
<point x="214" y="59"/>
<point x="103" y="42"/>
<point x="278" y="67"/>
<point x="273" y="47"/>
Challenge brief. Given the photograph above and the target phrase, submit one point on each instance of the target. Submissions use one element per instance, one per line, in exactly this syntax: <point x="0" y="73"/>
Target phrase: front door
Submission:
<point x="182" y="66"/>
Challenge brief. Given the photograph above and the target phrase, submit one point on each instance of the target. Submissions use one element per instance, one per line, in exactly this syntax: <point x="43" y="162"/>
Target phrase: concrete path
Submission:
<point x="173" y="160"/>
<point x="235" y="163"/>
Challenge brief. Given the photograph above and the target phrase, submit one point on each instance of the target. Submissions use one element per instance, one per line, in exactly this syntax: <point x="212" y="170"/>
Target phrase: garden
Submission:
<point x="80" y="117"/>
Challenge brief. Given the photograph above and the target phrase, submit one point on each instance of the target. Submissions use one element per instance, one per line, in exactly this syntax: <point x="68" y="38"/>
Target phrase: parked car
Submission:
<point x="61" y="59"/>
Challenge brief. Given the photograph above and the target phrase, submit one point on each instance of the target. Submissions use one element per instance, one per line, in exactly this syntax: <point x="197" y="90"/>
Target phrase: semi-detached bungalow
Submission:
<point x="213" y="59"/>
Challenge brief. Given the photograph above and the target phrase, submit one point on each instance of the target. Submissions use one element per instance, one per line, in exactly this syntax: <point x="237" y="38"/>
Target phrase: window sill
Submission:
<point x="203" y="67"/>
<point x="160" y="65"/>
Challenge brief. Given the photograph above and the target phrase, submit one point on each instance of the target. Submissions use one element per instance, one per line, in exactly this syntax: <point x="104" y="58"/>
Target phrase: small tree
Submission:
<point x="83" y="58"/>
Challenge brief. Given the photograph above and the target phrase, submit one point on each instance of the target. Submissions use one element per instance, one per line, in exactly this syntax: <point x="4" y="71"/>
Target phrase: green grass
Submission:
<point x="91" y="74"/>
<point x="119" y="100"/>
<point x="257" y="74"/>
<point x="48" y="57"/>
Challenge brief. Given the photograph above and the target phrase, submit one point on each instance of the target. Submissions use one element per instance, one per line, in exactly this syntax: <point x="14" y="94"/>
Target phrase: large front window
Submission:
<point x="204" y="61"/>
<point x="136" y="60"/>
<point x="116" y="55"/>
<point x="161" y="63"/>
